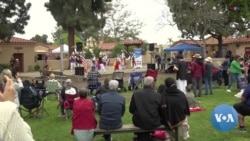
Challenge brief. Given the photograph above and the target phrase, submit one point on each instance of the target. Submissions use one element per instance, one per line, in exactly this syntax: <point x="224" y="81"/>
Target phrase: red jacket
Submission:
<point x="197" y="70"/>
<point x="83" y="115"/>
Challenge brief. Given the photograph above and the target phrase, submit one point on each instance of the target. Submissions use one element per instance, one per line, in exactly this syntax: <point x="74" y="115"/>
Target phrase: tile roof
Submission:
<point x="19" y="40"/>
<point x="236" y="40"/>
<point x="229" y="40"/>
<point x="106" y="46"/>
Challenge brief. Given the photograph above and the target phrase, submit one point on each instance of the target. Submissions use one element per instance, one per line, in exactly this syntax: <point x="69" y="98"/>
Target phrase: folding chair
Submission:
<point x="136" y="80"/>
<point x="152" y="73"/>
<point x="118" y="75"/>
<point x="52" y="87"/>
<point x="68" y="104"/>
<point x="93" y="87"/>
<point x="29" y="102"/>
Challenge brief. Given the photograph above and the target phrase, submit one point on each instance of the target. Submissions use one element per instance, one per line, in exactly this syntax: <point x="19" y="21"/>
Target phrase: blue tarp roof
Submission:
<point x="183" y="47"/>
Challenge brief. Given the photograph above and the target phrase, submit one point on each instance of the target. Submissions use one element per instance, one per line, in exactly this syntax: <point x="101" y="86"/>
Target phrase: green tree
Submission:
<point x="13" y="18"/>
<point x="117" y="50"/>
<point x="198" y="18"/>
<point x="119" y="22"/>
<point x="62" y="34"/>
<point x="76" y="15"/>
<point x="42" y="39"/>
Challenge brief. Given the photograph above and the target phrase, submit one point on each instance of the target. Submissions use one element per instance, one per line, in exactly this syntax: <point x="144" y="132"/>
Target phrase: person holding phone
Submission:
<point x="13" y="127"/>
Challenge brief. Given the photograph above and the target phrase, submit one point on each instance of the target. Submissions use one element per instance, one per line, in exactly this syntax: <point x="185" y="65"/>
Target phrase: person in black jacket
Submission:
<point x="175" y="108"/>
<point x="111" y="108"/>
<point x="181" y="74"/>
<point x="145" y="107"/>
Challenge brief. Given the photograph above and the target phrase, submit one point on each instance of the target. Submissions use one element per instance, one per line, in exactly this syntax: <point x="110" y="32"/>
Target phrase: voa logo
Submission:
<point x="224" y="118"/>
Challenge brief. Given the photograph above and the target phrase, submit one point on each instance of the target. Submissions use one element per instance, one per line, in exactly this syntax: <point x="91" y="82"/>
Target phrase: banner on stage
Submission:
<point x="138" y="57"/>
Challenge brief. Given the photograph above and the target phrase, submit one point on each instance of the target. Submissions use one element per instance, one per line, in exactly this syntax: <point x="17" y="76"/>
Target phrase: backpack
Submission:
<point x="29" y="97"/>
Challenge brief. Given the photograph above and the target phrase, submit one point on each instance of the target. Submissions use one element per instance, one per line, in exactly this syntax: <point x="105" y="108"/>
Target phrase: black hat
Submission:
<point x="170" y="82"/>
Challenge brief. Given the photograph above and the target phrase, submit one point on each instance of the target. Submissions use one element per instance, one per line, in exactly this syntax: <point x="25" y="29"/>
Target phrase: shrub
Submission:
<point x="4" y="66"/>
<point x="37" y="67"/>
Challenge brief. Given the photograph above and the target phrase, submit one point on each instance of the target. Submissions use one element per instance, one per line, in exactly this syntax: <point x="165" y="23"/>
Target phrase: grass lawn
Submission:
<point x="53" y="128"/>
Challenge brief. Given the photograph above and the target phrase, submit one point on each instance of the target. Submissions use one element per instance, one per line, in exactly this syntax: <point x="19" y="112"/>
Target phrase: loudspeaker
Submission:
<point x="79" y="46"/>
<point x="151" y="66"/>
<point x="151" y="47"/>
<point x="79" y="71"/>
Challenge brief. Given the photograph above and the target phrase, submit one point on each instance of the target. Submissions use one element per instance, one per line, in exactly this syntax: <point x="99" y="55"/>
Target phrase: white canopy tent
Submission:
<point x="65" y="49"/>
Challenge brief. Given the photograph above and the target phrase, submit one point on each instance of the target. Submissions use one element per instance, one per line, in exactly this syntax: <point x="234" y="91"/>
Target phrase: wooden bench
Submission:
<point x="130" y="128"/>
<point x="44" y="74"/>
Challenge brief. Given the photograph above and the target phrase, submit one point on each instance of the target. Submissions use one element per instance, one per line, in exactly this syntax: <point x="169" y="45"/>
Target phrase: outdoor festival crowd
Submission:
<point x="233" y="69"/>
<point x="169" y="105"/>
<point x="150" y="109"/>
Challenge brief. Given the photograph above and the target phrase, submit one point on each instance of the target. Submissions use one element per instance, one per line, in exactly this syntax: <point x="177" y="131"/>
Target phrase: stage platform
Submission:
<point x="80" y="79"/>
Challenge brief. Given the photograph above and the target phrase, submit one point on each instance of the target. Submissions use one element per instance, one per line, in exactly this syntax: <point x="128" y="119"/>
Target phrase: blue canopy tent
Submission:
<point x="183" y="47"/>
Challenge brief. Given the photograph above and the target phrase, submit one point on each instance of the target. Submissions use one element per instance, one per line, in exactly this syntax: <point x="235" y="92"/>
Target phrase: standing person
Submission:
<point x="234" y="72"/>
<point x="197" y="71"/>
<point x="175" y="108"/>
<point x="111" y="108"/>
<point x="13" y="127"/>
<point x="158" y="60"/>
<point x="225" y="66"/>
<point x="83" y="121"/>
<point x="117" y="64"/>
<point x="181" y="75"/>
<point x="243" y="108"/>
<point x="208" y="75"/>
<point x="16" y="67"/>
<point x="72" y="60"/>
<point x="12" y="63"/>
<point x="145" y="107"/>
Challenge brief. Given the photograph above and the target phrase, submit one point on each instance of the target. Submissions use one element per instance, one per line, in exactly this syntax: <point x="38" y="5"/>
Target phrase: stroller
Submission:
<point x="119" y="77"/>
<point x="135" y="80"/>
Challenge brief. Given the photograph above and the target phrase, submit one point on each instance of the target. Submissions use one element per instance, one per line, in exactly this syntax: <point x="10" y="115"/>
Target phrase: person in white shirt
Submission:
<point x="13" y="127"/>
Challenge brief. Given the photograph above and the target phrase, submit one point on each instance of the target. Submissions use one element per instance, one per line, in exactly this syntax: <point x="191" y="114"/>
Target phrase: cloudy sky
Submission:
<point x="148" y="11"/>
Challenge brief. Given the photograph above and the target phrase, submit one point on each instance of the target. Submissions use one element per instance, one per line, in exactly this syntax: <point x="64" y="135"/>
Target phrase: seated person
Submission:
<point x="145" y="106"/>
<point x="175" y="108"/>
<point x="83" y="121"/>
<point x="68" y="94"/>
<point x="153" y="73"/>
<point x="111" y="108"/>
<point x="161" y="88"/>
<point x="93" y="79"/>
<point x="30" y="99"/>
<point x="13" y="127"/>
<point x="51" y="88"/>
<point x="17" y="83"/>
<point x="52" y="79"/>
<point x="103" y="89"/>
